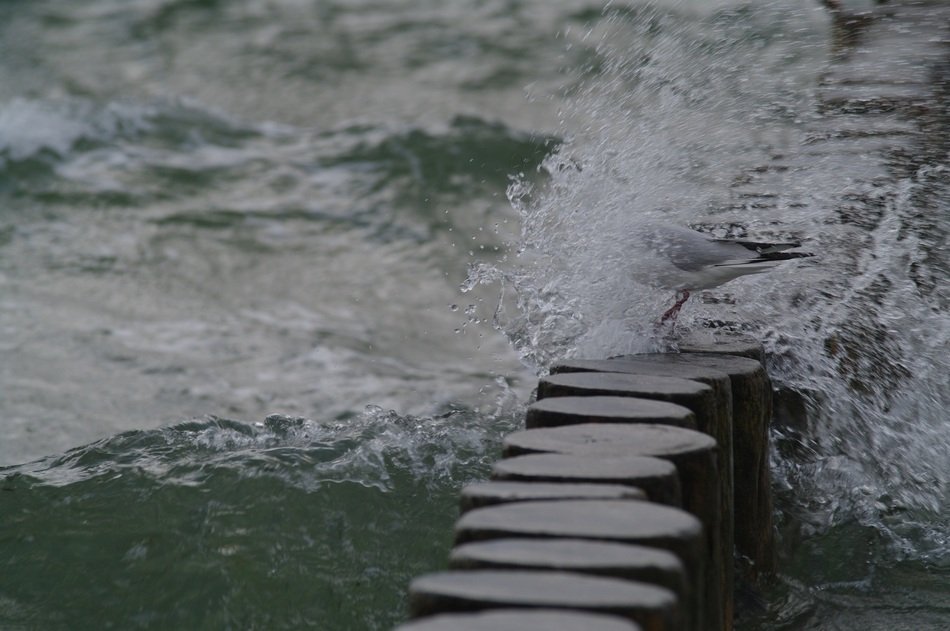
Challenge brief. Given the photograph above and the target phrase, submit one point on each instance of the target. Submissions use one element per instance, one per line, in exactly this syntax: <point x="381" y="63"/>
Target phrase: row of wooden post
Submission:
<point x="638" y="487"/>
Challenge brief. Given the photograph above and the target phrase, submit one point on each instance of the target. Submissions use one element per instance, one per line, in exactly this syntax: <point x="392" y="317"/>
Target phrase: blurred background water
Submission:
<point x="276" y="276"/>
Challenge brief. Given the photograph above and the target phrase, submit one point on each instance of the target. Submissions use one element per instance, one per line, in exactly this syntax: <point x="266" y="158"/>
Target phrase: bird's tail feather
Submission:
<point x="782" y="256"/>
<point x="765" y="260"/>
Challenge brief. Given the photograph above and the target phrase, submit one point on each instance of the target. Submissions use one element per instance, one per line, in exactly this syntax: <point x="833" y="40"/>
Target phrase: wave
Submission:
<point x="364" y="449"/>
<point x="181" y="163"/>
<point x="279" y="524"/>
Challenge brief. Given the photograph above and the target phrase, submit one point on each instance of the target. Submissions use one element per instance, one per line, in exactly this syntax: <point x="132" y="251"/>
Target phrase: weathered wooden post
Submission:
<point x="653" y="607"/>
<point x="727" y="344"/>
<point x="555" y="411"/>
<point x="481" y="494"/>
<point x="601" y="558"/>
<point x="523" y="620"/>
<point x="697" y="397"/>
<point x="657" y="478"/>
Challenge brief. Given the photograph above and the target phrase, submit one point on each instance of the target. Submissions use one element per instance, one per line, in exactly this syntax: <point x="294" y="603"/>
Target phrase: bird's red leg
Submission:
<point x="673" y="311"/>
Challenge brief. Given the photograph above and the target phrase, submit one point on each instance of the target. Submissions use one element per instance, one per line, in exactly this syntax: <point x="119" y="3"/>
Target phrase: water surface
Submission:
<point x="275" y="278"/>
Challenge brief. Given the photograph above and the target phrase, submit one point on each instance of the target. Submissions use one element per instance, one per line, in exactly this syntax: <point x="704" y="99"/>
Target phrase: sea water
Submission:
<point x="275" y="278"/>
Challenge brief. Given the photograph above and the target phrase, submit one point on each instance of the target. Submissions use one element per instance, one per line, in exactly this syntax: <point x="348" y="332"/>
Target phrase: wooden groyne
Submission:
<point x="618" y="500"/>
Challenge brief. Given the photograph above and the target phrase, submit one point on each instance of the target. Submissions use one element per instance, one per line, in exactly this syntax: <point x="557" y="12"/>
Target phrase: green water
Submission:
<point x="217" y="524"/>
<point x="251" y="339"/>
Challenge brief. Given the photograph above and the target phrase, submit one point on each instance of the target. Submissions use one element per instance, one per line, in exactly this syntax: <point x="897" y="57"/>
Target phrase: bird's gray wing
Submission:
<point x="761" y="247"/>
<point x="694" y="251"/>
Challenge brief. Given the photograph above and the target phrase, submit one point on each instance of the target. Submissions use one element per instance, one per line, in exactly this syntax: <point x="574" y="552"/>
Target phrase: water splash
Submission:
<point x="671" y="110"/>
<point x="869" y="350"/>
<point x="712" y="125"/>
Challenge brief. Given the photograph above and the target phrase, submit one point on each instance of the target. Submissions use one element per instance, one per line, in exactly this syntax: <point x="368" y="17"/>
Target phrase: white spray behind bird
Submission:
<point x="686" y="260"/>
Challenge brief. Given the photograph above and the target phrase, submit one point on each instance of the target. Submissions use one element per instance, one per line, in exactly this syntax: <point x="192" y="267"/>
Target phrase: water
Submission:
<point x="228" y="228"/>
<point x="286" y="523"/>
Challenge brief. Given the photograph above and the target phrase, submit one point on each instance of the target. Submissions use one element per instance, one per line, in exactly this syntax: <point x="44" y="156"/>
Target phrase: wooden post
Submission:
<point x="482" y="494"/>
<point x="555" y="411"/>
<point x="601" y="558"/>
<point x="726" y="344"/>
<point x="656" y="477"/>
<point x="697" y="397"/>
<point x="652" y="607"/>
<point x="523" y="620"/>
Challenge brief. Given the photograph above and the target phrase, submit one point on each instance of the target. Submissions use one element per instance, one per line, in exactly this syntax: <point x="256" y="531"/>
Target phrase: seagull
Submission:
<point x="686" y="260"/>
